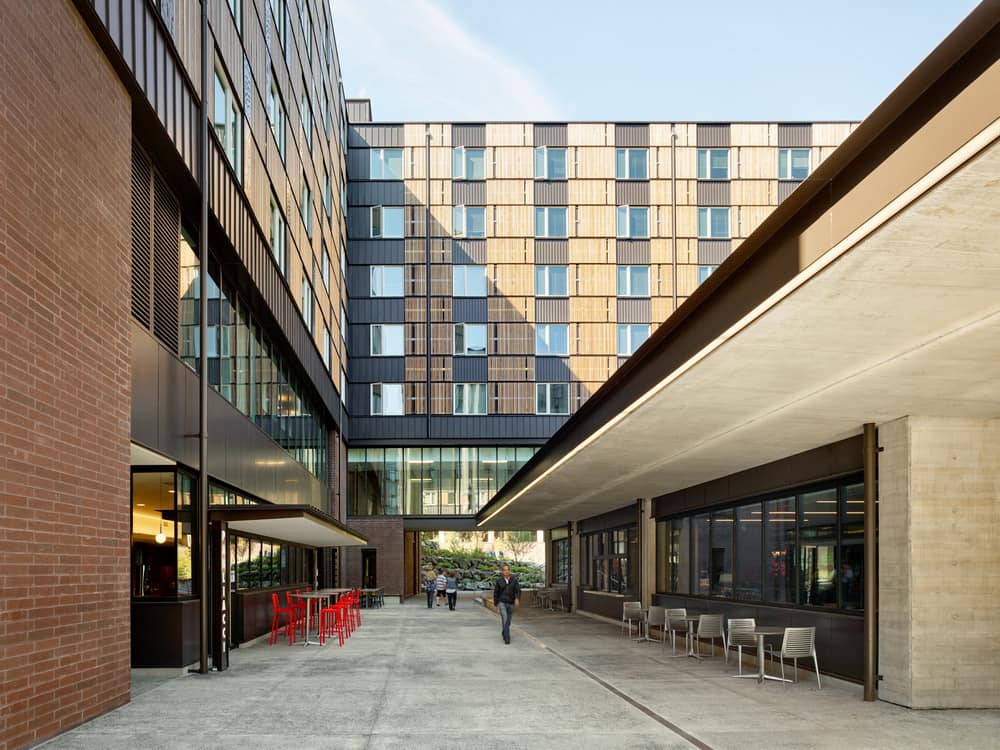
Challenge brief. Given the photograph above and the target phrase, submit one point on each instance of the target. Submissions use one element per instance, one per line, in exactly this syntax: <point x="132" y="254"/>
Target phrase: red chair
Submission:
<point x="300" y="613"/>
<point x="332" y="619"/>
<point x="276" y="627"/>
<point x="346" y="603"/>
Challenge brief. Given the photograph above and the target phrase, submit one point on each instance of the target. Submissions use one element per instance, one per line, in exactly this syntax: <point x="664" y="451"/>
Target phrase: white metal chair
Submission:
<point x="710" y="626"/>
<point x="631" y="611"/>
<point x="740" y="635"/>
<point x="657" y="617"/>
<point x="799" y="643"/>
<point x="676" y="624"/>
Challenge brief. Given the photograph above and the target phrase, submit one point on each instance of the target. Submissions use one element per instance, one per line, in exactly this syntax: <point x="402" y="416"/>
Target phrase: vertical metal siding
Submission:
<point x="549" y="193"/>
<point x="468" y="252"/>
<point x="552" y="252"/>
<point x="376" y="252"/>
<point x="376" y="310"/>
<point x="631" y="135"/>
<point x="712" y="135"/>
<point x="469" y="310"/>
<point x="551" y="310"/>
<point x="786" y="188"/>
<point x="468" y="192"/>
<point x="359" y="110"/>
<point x="469" y="369"/>
<point x="388" y="193"/>
<point x="632" y="252"/>
<point x="632" y="193"/>
<point x="552" y="370"/>
<point x="635" y="311"/>
<point x="468" y="135"/>
<point x="551" y="134"/>
<point x="794" y="135"/>
<point x="713" y="193"/>
<point x="713" y="252"/>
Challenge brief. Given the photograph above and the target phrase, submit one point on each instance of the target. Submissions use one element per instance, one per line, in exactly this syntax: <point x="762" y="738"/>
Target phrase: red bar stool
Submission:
<point x="276" y="627"/>
<point x="332" y="619"/>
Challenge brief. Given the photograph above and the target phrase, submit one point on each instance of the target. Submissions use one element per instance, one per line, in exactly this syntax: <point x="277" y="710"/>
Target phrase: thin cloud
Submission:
<point x="417" y="62"/>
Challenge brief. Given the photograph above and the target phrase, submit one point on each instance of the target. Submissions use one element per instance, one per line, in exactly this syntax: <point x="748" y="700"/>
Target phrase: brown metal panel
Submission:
<point x="552" y="252"/>
<point x="468" y="135"/>
<point x="548" y="310"/>
<point x="468" y="192"/>
<point x="712" y="135"/>
<point x="468" y="252"/>
<point x="632" y="252"/>
<point x="550" y="134"/>
<point x="634" y="311"/>
<point x="713" y="193"/>
<point x="631" y="135"/>
<point x="551" y="193"/>
<point x="632" y="192"/>
<point x="794" y="135"/>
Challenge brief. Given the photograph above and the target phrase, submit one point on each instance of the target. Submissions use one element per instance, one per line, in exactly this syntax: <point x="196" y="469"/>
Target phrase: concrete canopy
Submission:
<point x="299" y="524"/>
<point x="891" y="308"/>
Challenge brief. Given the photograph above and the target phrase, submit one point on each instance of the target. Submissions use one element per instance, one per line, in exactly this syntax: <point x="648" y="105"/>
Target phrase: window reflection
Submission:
<point x="163" y="534"/>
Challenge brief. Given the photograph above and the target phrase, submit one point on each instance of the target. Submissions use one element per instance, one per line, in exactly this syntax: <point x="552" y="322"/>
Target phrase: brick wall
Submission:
<point x="65" y="130"/>
<point x="385" y="535"/>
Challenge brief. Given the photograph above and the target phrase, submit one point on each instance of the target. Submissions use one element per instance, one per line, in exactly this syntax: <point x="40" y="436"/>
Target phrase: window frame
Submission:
<point x="306" y="209"/>
<point x="708" y="163"/>
<point x="465" y="387"/>
<point x="546" y="211"/>
<point x="547" y="388"/>
<point x="377" y="281"/>
<point x="277" y="117"/>
<point x="546" y="269"/>
<point x="627" y="150"/>
<point x="232" y="108"/>
<point x="281" y="256"/>
<point x="630" y="281"/>
<point x="632" y="345"/>
<point x="544" y="151"/>
<point x="464" y="161"/>
<point x="465" y="347"/>
<point x="381" y="328"/>
<point x="790" y="151"/>
<point x="383" y="413"/>
<point x="710" y="211"/>
<point x="626" y="233"/>
<point x="547" y="335"/>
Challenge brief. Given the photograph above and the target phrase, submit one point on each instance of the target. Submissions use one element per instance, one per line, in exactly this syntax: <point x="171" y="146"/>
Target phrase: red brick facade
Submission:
<point x="385" y="536"/>
<point x="65" y="138"/>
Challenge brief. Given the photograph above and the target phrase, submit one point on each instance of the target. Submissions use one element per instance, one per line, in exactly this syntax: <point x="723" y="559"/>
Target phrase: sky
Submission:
<point x="673" y="60"/>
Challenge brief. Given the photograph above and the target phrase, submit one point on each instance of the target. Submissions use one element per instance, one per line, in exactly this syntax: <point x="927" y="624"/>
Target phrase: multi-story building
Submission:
<point x="552" y="250"/>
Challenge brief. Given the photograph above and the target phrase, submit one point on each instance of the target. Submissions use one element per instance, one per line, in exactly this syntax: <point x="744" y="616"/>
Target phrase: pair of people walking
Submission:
<point x="441" y="587"/>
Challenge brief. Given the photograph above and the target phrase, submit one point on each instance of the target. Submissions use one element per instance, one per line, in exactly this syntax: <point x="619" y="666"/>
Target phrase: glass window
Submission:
<point x="550" y="163"/>
<point x="713" y="222"/>
<point x="633" y="281"/>
<point x="227" y="121"/>
<point x="279" y="8"/>
<point x="470" y="398"/>
<point x="631" y="164"/>
<point x="468" y="221"/>
<point x="702" y="554"/>
<point x="325" y="353"/>
<point x="550" y="221"/>
<point x="468" y="163"/>
<point x="387" y="399"/>
<point x="468" y="281"/>
<point x="307" y="304"/>
<point x="307" y="206"/>
<point x="552" y="398"/>
<point x="552" y="339"/>
<point x="721" y="562"/>
<point x="560" y="561"/>
<point x="304" y="19"/>
<point x="387" y="222"/>
<point x="470" y="339"/>
<point x="779" y="550"/>
<point x="633" y="222"/>
<point x="793" y="163"/>
<point x="326" y="268"/>
<point x="748" y="550"/>
<point x="307" y="128"/>
<point x="188" y="302"/>
<point x="387" y="281"/>
<point x="327" y="193"/>
<point x="387" y="340"/>
<point x="234" y="8"/>
<point x="276" y="115"/>
<point x="163" y="534"/>
<point x="278" y="236"/>
<point x="386" y="164"/>
<point x="851" y="567"/>
<point x="630" y="337"/>
<point x="611" y="560"/>
<point x="704" y="272"/>
<point x="713" y="164"/>
<point x="818" y="548"/>
<point x="551" y="281"/>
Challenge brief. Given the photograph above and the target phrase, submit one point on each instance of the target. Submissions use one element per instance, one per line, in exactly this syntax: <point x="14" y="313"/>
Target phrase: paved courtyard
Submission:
<point x="418" y="678"/>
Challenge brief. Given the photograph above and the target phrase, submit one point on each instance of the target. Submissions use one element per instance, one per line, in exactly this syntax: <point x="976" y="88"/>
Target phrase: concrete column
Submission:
<point x="575" y="564"/>
<point x="545" y="538"/>
<point x="939" y="562"/>
<point x="647" y="565"/>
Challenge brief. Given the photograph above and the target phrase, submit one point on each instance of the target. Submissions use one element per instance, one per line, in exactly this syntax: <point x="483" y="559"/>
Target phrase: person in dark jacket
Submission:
<point x="506" y="596"/>
<point x="430" y="585"/>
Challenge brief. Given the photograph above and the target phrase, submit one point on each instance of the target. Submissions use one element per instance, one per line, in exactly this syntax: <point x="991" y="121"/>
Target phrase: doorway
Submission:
<point x="368" y="569"/>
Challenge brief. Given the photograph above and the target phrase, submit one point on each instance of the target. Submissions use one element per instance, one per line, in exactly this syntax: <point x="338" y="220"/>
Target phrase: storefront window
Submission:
<point x="702" y="554"/>
<point x="779" y="550"/>
<point x="722" y="554"/>
<point x="611" y="559"/>
<point x="748" y="551"/>
<point x="163" y="534"/>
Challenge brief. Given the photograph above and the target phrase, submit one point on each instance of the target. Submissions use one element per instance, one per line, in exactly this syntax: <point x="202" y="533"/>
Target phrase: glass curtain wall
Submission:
<point x="163" y="534"/>
<point x="611" y="560"/>
<point x="804" y="548"/>
<point x="259" y="563"/>
<point x="428" y="480"/>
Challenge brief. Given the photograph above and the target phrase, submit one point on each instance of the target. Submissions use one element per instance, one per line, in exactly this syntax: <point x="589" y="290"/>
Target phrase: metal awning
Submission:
<point x="298" y="524"/>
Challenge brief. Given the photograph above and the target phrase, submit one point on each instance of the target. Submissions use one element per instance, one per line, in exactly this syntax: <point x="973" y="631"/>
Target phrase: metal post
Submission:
<point x="673" y="209"/>
<point x="203" y="536"/>
<point x="427" y="283"/>
<point x="871" y="577"/>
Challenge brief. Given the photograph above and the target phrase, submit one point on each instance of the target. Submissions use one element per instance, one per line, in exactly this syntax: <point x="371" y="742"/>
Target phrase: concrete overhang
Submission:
<point x="298" y="524"/>
<point x="870" y="294"/>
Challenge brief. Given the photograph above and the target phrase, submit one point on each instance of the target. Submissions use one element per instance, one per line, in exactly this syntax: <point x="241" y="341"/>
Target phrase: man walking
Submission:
<point x="506" y="596"/>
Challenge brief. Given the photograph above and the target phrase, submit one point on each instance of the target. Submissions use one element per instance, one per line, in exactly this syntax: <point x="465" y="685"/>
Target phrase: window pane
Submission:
<point x="818" y="515"/>
<point x="392" y="281"/>
<point x="559" y="398"/>
<point x="703" y="222"/>
<point x="640" y="281"/>
<point x="720" y="222"/>
<point x="392" y="395"/>
<point x="557" y="164"/>
<point x="475" y="221"/>
<point x="779" y="550"/>
<point x="637" y="163"/>
<point x="702" y="554"/>
<point x="539" y="222"/>
<point x="475" y="164"/>
<point x="623" y="347"/>
<point x="413" y="478"/>
<point x="638" y="222"/>
<point x="458" y="221"/>
<point x="392" y="160"/>
<point x="559" y="339"/>
<point x="459" y="338"/>
<point x="475" y="338"/>
<point x="722" y="554"/>
<point x="476" y="281"/>
<point x="376" y="404"/>
<point x="681" y="556"/>
<point x="375" y="164"/>
<point x="541" y="288"/>
<point x="720" y="164"/>
<point x="622" y="222"/>
<point x="639" y="335"/>
<point x="783" y="164"/>
<point x="852" y="576"/>
<point x="620" y="171"/>
<point x="457" y="163"/>
<point x="557" y="222"/>
<point x="558" y="286"/>
<point x="392" y="222"/>
<point x="702" y="164"/>
<point x="817" y="570"/>
<point x="852" y="512"/>
<point x="622" y="281"/>
<point x="541" y="398"/>
<point x="540" y="163"/>
<point x="541" y="339"/>
<point x="392" y="340"/>
<point x="800" y="163"/>
<point x="747" y="567"/>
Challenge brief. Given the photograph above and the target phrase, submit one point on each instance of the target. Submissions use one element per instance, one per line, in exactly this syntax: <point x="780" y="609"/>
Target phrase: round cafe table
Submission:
<point x="761" y="632"/>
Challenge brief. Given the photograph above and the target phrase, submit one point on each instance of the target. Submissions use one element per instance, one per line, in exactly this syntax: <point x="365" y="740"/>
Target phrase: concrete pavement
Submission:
<point x="418" y="678"/>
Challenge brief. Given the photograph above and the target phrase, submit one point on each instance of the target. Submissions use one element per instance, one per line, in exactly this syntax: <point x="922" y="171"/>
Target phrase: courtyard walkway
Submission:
<point x="418" y="678"/>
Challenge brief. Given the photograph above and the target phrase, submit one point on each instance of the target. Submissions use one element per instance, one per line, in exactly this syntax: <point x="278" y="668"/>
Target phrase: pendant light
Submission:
<point x="161" y="537"/>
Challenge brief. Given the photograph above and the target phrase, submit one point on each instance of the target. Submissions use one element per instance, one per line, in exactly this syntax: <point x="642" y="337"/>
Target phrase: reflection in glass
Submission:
<point x="721" y="563"/>
<point x="779" y="550"/>
<point x="748" y="549"/>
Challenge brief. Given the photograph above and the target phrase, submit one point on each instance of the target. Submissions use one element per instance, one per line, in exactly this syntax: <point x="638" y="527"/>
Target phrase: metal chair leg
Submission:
<point x="816" y="665"/>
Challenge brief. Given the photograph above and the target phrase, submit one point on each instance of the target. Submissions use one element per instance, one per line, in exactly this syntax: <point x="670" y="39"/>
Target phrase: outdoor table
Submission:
<point x="689" y="637"/>
<point x="761" y="631"/>
<point x="371" y="595"/>
<point x="318" y="595"/>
